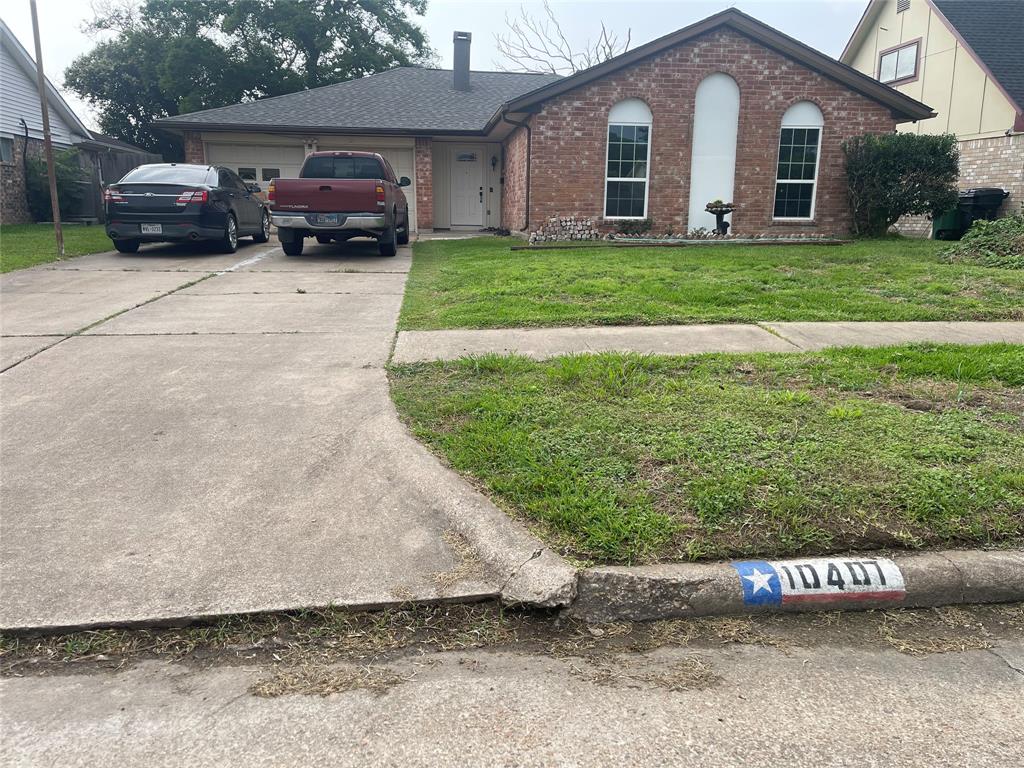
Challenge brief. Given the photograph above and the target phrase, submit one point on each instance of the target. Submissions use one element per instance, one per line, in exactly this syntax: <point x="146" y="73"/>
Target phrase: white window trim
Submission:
<point x="817" y="166"/>
<point x="646" y="179"/>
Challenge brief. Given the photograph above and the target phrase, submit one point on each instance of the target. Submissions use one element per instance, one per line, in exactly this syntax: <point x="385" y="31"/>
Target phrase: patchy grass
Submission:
<point x="333" y="651"/>
<point x="630" y="459"/>
<point x="25" y="245"/>
<point x="480" y="283"/>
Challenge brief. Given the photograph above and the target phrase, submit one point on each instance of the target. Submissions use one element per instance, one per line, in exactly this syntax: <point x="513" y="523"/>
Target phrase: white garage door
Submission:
<point x="401" y="161"/>
<point x="263" y="162"/>
<point x="257" y="162"/>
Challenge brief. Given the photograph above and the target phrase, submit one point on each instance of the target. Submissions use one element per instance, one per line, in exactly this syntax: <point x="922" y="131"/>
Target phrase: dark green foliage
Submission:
<point x="167" y="57"/>
<point x="899" y="174"/>
<point x="640" y="227"/>
<point x="70" y="192"/>
<point x="998" y="243"/>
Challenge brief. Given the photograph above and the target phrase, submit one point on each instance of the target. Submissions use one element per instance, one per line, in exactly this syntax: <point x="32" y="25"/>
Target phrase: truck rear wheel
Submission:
<point x="387" y="244"/>
<point x="403" y="236"/>
<point x="292" y="247"/>
<point x="324" y="239"/>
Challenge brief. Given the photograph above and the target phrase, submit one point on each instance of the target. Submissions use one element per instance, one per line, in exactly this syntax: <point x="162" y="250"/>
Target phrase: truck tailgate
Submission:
<point x="326" y="195"/>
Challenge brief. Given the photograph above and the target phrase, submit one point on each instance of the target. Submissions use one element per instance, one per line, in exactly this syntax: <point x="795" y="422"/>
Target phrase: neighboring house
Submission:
<point x="726" y="108"/>
<point x="21" y="134"/>
<point x="965" y="59"/>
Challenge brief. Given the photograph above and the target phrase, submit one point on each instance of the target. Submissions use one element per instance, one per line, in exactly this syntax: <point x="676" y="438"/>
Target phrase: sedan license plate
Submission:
<point x="152" y="229"/>
<point x="326" y="218"/>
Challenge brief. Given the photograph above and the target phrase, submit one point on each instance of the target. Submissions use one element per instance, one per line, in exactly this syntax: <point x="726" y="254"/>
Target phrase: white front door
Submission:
<point x="467" y="186"/>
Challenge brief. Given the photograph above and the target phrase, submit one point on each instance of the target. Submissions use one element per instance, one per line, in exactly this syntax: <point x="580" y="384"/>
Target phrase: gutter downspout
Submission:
<point x="529" y="147"/>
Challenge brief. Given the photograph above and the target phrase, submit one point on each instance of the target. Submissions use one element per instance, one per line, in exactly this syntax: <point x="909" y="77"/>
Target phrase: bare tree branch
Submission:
<point x="532" y="44"/>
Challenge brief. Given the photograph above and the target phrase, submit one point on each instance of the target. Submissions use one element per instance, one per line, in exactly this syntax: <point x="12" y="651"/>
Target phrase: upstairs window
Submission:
<point x="627" y="171"/>
<point x="796" y="181"/>
<point x="899" y="64"/>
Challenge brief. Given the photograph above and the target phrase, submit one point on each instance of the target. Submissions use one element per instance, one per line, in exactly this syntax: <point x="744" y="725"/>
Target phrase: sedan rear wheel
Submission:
<point x="229" y="242"/>
<point x="127" y="246"/>
<point x="264" y="234"/>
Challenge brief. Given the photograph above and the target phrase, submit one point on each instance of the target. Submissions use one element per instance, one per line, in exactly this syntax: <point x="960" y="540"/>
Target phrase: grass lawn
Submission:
<point x="629" y="459"/>
<point x="480" y="283"/>
<point x="25" y="245"/>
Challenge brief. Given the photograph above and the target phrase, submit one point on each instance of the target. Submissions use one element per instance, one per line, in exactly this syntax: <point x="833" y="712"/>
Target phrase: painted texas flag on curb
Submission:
<point x="819" y="580"/>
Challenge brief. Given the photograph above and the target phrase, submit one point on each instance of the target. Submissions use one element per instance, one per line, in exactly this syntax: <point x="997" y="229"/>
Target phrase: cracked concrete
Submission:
<point x="214" y="435"/>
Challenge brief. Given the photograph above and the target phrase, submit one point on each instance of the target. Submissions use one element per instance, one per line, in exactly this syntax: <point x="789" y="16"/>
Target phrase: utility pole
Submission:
<point x="51" y="171"/>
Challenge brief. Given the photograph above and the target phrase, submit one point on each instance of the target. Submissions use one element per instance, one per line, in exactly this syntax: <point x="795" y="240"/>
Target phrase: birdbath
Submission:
<point x="720" y="210"/>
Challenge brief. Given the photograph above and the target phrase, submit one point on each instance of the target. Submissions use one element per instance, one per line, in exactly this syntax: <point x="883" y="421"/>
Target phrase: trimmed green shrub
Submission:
<point x="998" y="243"/>
<point x="899" y="174"/>
<point x="635" y="228"/>
<point x="70" y="192"/>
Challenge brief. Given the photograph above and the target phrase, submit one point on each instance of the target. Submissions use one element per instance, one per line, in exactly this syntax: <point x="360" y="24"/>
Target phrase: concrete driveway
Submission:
<point x="187" y="434"/>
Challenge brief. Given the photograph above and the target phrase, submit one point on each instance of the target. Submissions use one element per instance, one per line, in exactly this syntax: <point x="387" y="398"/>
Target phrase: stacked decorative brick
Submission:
<point x="565" y="228"/>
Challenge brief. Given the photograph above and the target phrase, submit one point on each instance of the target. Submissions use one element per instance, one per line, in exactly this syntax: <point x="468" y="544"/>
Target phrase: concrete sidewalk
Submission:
<point x="542" y="343"/>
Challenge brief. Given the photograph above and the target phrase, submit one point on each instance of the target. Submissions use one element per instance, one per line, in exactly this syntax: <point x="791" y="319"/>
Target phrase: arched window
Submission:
<point x="799" y="148"/>
<point x="628" y="169"/>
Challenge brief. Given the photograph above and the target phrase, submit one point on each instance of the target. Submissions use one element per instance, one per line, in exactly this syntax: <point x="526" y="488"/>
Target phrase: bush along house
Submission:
<point x="727" y="109"/>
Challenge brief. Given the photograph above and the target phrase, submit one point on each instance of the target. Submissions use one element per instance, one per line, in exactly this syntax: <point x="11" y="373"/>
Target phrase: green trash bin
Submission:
<point x="950" y="225"/>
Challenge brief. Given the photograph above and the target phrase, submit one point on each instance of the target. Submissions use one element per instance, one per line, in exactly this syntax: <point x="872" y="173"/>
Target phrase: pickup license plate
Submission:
<point x="325" y="218"/>
<point x="152" y="229"/>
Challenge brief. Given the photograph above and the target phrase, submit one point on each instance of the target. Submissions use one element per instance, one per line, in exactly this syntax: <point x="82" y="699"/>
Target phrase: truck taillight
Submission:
<point x="112" y="196"/>
<point x="271" y="193"/>
<point x="192" y="196"/>
<point x="380" y="195"/>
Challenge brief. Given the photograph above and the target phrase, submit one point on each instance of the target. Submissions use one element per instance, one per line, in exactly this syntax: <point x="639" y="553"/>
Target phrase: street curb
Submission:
<point x="648" y="593"/>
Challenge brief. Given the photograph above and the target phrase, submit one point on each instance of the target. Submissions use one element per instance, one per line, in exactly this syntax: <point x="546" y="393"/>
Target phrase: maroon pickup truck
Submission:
<point x="340" y="195"/>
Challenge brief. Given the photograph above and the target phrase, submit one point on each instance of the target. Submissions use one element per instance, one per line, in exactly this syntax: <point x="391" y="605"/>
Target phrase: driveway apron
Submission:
<point x="204" y="435"/>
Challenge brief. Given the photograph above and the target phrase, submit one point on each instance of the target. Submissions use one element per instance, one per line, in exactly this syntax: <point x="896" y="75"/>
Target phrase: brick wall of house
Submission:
<point x="995" y="162"/>
<point x="991" y="162"/>
<point x="569" y="136"/>
<point x="13" y="203"/>
<point x="195" y="152"/>
<point x="513" y="200"/>
<point x="424" y="161"/>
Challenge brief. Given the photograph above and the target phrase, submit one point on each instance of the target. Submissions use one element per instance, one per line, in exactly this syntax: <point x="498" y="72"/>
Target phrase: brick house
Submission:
<point x="725" y="108"/>
<point x="964" y="59"/>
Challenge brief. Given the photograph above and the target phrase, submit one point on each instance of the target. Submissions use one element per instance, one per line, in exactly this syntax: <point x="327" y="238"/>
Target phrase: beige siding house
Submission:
<point x="966" y="61"/>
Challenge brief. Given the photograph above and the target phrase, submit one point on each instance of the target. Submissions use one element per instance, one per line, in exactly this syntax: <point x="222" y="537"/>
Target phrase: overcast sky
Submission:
<point x="823" y="24"/>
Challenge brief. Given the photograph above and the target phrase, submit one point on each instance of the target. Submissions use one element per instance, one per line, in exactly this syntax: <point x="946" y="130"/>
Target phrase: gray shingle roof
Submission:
<point x="995" y="30"/>
<point x="405" y="99"/>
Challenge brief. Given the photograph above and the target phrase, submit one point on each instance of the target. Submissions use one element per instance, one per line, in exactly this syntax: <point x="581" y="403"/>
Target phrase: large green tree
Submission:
<point x="158" y="58"/>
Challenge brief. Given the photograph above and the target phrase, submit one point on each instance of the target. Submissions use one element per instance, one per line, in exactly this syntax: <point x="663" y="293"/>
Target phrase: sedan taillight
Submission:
<point x="192" y="196"/>
<point x="112" y="196"/>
